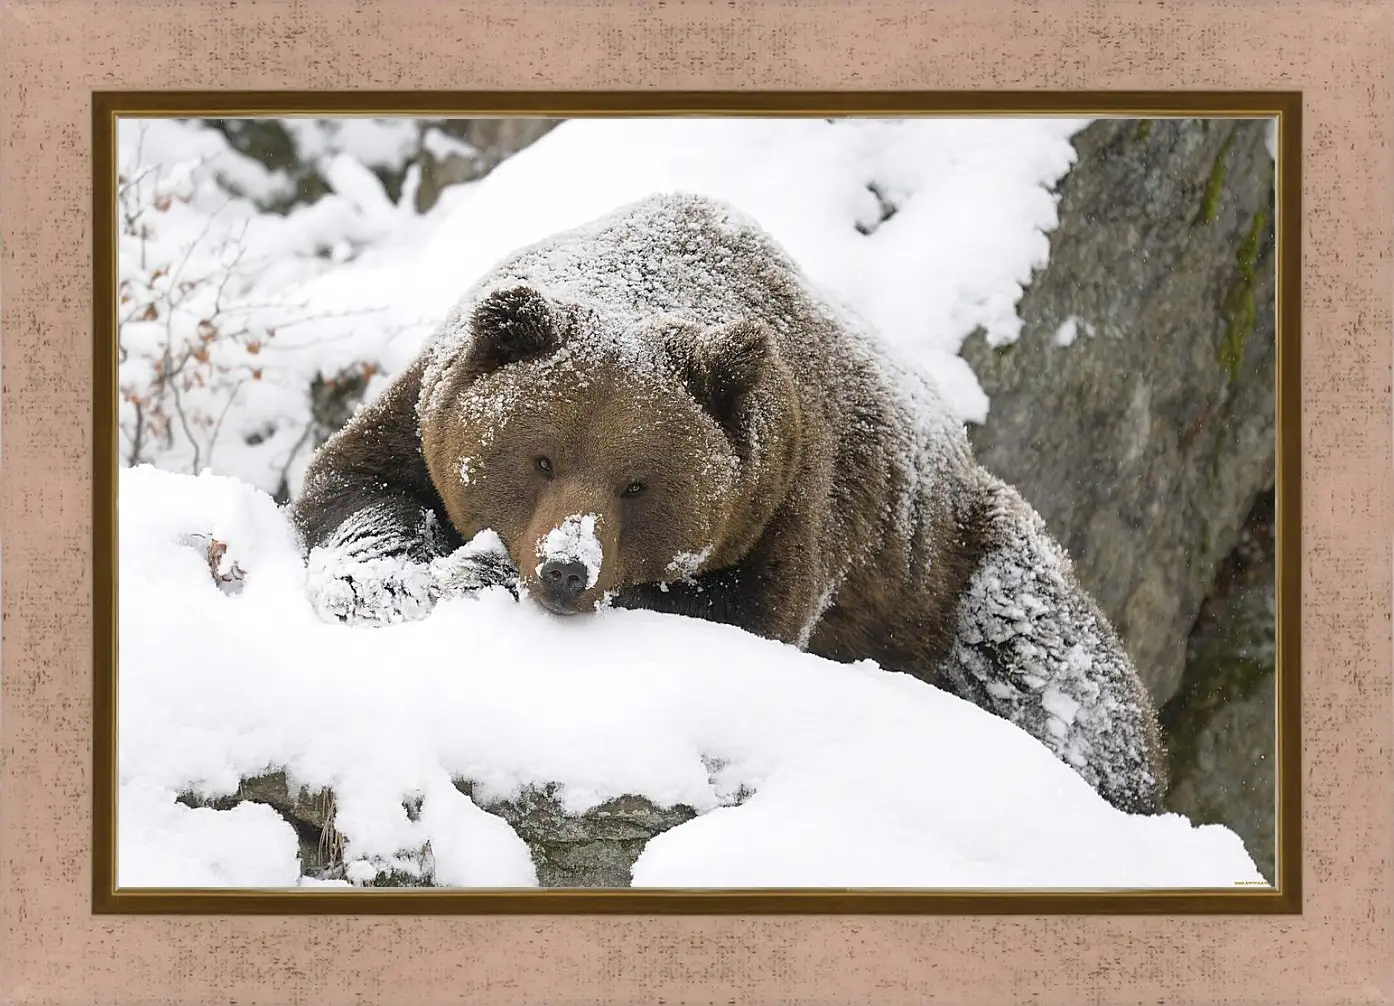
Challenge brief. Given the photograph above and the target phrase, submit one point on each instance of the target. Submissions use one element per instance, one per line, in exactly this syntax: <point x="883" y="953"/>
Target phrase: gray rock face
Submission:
<point x="594" y="849"/>
<point x="311" y="814"/>
<point x="1144" y="441"/>
<point x="1221" y="721"/>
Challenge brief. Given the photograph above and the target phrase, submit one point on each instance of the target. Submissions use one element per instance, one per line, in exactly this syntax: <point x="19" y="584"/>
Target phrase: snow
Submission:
<point x="376" y="143"/>
<point x="688" y="564"/>
<point x="166" y="844"/>
<point x="1069" y="330"/>
<point x="574" y="540"/>
<point x="145" y="143"/>
<point x="442" y="145"/>
<point x="857" y="777"/>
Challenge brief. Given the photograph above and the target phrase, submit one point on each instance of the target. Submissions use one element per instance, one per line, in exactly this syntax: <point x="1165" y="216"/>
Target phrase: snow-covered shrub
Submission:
<point x="207" y="297"/>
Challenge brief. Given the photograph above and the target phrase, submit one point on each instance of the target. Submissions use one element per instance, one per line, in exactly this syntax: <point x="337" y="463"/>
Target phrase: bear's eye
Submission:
<point x="634" y="489"/>
<point x="544" y="465"/>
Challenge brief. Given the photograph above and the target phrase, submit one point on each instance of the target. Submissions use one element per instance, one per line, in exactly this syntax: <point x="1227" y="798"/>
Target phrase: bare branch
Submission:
<point x="213" y="437"/>
<point x="138" y="437"/>
<point x="295" y="453"/>
<point x="184" y="423"/>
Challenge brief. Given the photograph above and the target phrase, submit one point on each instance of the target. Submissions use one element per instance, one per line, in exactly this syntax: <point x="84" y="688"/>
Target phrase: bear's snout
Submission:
<point x="569" y="560"/>
<point x="560" y="585"/>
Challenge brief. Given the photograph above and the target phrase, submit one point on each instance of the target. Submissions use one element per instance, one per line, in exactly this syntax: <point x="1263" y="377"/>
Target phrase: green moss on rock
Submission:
<point x="1240" y="309"/>
<point x="1210" y="202"/>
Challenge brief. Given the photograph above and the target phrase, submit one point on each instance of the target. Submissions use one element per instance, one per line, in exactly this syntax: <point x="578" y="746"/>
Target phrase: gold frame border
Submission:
<point x="1284" y="898"/>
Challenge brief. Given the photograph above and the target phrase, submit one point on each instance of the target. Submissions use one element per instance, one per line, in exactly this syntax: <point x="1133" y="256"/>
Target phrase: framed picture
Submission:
<point x="853" y="507"/>
<point x="577" y="511"/>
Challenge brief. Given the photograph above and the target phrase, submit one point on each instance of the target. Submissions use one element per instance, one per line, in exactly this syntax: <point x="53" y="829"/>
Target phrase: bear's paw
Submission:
<point x="481" y="562"/>
<point x="376" y="591"/>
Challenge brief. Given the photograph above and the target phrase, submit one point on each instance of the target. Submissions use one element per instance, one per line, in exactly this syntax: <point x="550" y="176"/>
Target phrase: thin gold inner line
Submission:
<point x="144" y="105"/>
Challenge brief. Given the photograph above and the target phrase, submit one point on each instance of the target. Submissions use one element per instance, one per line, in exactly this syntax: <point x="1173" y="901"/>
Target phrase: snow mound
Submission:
<point x="859" y="777"/>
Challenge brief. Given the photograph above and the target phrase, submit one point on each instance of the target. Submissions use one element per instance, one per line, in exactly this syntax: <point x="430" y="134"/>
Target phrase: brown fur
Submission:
<point x="375" y="459"/>
<point x="774" y="546"/>
<point x="619" y="429"/>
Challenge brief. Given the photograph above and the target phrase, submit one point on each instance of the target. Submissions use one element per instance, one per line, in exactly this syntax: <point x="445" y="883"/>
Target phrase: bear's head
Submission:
<point x="609" y="454"/>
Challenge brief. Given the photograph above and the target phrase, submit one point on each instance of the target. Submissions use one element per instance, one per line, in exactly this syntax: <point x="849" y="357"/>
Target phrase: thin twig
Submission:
<point x="213" y="437"/>
<point x="138" y="437"/>
<point x="295" y="451"/>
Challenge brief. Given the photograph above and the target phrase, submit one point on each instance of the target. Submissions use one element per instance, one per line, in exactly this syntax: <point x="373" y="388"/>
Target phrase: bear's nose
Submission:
<point x="565" y="581"/>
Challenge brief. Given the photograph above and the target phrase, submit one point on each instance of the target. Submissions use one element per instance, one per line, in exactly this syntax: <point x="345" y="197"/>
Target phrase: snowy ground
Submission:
<point x="860" y="777"/>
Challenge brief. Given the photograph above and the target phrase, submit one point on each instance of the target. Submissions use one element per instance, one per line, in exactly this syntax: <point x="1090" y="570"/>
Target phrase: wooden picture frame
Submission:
<point x="1323" y="68"/>
<point x="1284" y="108"/>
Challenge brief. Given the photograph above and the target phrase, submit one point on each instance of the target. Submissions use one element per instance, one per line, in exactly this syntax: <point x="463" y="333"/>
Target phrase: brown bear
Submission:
<point x="657" y="410"/>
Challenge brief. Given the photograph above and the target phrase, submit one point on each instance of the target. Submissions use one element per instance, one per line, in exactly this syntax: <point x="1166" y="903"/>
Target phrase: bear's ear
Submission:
<point x="722" y="366"/>
<point x="509" y="325"/>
